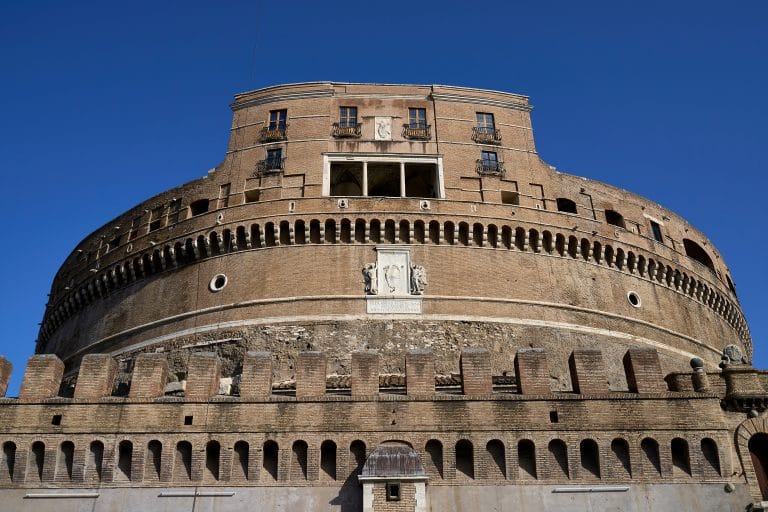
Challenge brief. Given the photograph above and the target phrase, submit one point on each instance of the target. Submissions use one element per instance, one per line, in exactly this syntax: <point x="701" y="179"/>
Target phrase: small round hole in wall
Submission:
<point x="634" y="299"/>
<point x="218" y="283"/>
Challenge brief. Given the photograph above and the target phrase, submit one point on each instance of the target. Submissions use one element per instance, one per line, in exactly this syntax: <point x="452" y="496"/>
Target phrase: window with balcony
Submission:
<point x="277" y="126"/>
<point x="417" y="127"/>
<point x="485" y="131"/>
<point x="347" y="127"/>
<point x="489" y="163"/>
<point x="272" y="163"/>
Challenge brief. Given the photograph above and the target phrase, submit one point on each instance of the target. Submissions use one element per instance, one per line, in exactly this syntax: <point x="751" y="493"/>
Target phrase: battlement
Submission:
<point x="151" y="378"/>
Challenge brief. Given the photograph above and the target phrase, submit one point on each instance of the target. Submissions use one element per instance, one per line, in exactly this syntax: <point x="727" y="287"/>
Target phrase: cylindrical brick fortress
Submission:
<point x="391" y="217"/>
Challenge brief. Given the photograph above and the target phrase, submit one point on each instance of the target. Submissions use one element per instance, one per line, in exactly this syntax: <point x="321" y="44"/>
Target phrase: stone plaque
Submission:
<point x="393" y="271"/>
<point x="393" y="305"/>
<point x="382" y="128"/>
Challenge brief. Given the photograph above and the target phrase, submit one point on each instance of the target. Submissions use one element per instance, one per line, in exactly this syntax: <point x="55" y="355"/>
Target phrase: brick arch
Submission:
<point x="744" y="433"/>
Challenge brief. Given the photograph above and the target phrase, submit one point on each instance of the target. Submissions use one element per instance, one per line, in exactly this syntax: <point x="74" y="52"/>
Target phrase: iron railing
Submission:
<point x="346" y="132"/>
<point x="270" y="165"/>
<point x="417" y="132"/>
<point x="486" y="135"/>
<point x="273" y="134"/>
<point x="489" y="167"/>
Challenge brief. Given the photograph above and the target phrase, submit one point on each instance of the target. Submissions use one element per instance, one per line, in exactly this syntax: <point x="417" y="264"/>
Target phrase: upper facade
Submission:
<point x="424" y="207"/>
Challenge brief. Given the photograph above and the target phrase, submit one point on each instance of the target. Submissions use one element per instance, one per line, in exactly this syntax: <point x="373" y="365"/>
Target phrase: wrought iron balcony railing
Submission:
<point x="423" y="132"/>
<point x="486" y="135"/>
<point x="270" y="165"/>
<point x="346" y="132"/>
<point x="489" y="167"/>
<point x="273" y="134"/>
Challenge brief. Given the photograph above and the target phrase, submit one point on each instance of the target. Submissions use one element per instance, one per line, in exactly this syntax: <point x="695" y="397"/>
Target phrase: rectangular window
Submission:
<point x="274" y="158"/>
<point x="393" y="491"/>
<point x="485" y="123"/>
<point x="156" y="222"/>
<point x="489" y="158"/>
<point x="417" y="118"/>
<point x="277" y="119"/>
<point x="224" y="195"/>
<point x="656" y="229"/>
<point x="347" y="117"/>
<point x="174" y="209"/>
<point x="135" y="223"/>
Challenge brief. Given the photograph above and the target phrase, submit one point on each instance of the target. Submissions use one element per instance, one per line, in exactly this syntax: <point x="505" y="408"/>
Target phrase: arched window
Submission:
<point x="758" y="451"/>
<point x="711" y="457"/>
<point x="566" y="205"/>
<point x="95" y="461"/>
<point x="9" y="461"/>
<point x="615" y="218"/>
<point x="463" y="233"/>
<point x="314" y="231"/>
<point x="124" y="460"/>
<point x="328" y="460"/>
<point x="36" y="461"/>
<point x="405" y="232"/>
<point x="681" y="459"/>
<point x="493" y="235"/>
<point x="65" y="460"/>
<point x="526" y="460"/>
<point x="558" y="454"/>
<point x="434" y="451"/>
<point x="269" y="234"/>
<point x="375" y="231"/>
<point x="182" y="470"/>
<point x="620" y="450"/>
<point x="477" y="234"/>
<point x="434" y="232"/>
<point x="465" y="459"/>
<point x="449" y="233"/>
<point x="285" y="233"/>
<point x="418" y="232"/>
<point x="300" y="232"/>
<point x="697" y="252"/>
<point x="652" y="461"/>
<point x="360" y="231"/>
<point x="389" y="231"/>
<point x="590" y="458"/>
<point x="356" y="457"/>
<point x="269" y="462"/>
<point x="497" y="463"/>
<point x="154" y="460"/>
<point x="212" y="455"/>
<point x="299" y="461"/>
<point x="345" y="235"/>
<point x="241" y="459"/>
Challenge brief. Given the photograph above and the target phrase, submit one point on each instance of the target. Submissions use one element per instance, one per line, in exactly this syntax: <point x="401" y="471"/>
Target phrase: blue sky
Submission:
<point x="103" y="104"/>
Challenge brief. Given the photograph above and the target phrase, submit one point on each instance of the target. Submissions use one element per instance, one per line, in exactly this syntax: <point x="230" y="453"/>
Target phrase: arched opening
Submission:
<point x="463" y="233"/>
<point x="434" y="449"/>
<point x="758" y="452"/>
<point x="526" y="459"/>
<point x="240" y="466"/>
<point x="36" y="461"/>
<point x="360" y="231"/>
<point x="226" y="244"/>
<point x="240" y="238"/>
<point x="681" y="458"/>
<point x="477" y="234"/>
<point x="497" y="463"/>
<point x="620" y="450"/>
<point x="213" y="239"/>
<point x="212" y="455"/>
<point x="299" y="461"/>
<point x="95" y="461"/>
<point x="434" y="232"/>
<point x="585" y="249"/>
<point x="389" y="231"/>
<point x="269" y="234"/>
<point x="697" y="252"/>
<point x="652" y="461"/>
<point x="597" y="252"/>
<point x="448" y="233"/>
<point x="520" y="238"/>
<point x="269" y="462"/>
<point x="356" y="457"/>
<point x="285" y="233"/>
<point x="534" y="242"/>
<point x="314" y="231"/>
<point x="328" y="460"/>
<point x="256" y="238"/>
<point x="202" y="246"/>
<point x="300" y="232"/>
<point x="9" y="461"/>
<point x="711" y="457"/>
<point x="566" y="205"/>
<point x="590" y="458"/>
<point x="506" y="237"/>
<point x="548" y="242"/>
<point x="375" y="234"/>
<point x="124" y="459"/>
<point x="182" y="470"/>
<point x="609" y="256"/>
<point x="419" y="232"/>
<point x="615" y="218"/>
<point x="493" y="235"/>
<point x="345" y="233"/>
<point x="573" y="246"/>
<point x="558" y="454"/>
<point x="465" y="459"/>
<point x="154" y="460"/>
<point x="405" y="232"/>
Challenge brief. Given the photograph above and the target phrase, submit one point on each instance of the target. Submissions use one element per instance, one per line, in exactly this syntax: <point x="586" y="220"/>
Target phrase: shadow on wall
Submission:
<point x="350" y="496"/>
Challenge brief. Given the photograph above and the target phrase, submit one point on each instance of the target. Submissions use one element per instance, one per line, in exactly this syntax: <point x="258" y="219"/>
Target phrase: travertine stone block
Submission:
<point x="310" y="375"/>
<point x="643" y="370"/>
<point x="476" y="371"/>
<point x="150" y="375"/>
<point x="256" y="380"/>
<point x="532" y="371"/>
<point x="588" y="373"/>
<point x="365" y="373"/>
<point x="42" y="377"/>
<point x="420" y="372"/>
<point x="96" y="377"/>
<point x="5" y="375"/>
<point x="203" y="372"/>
